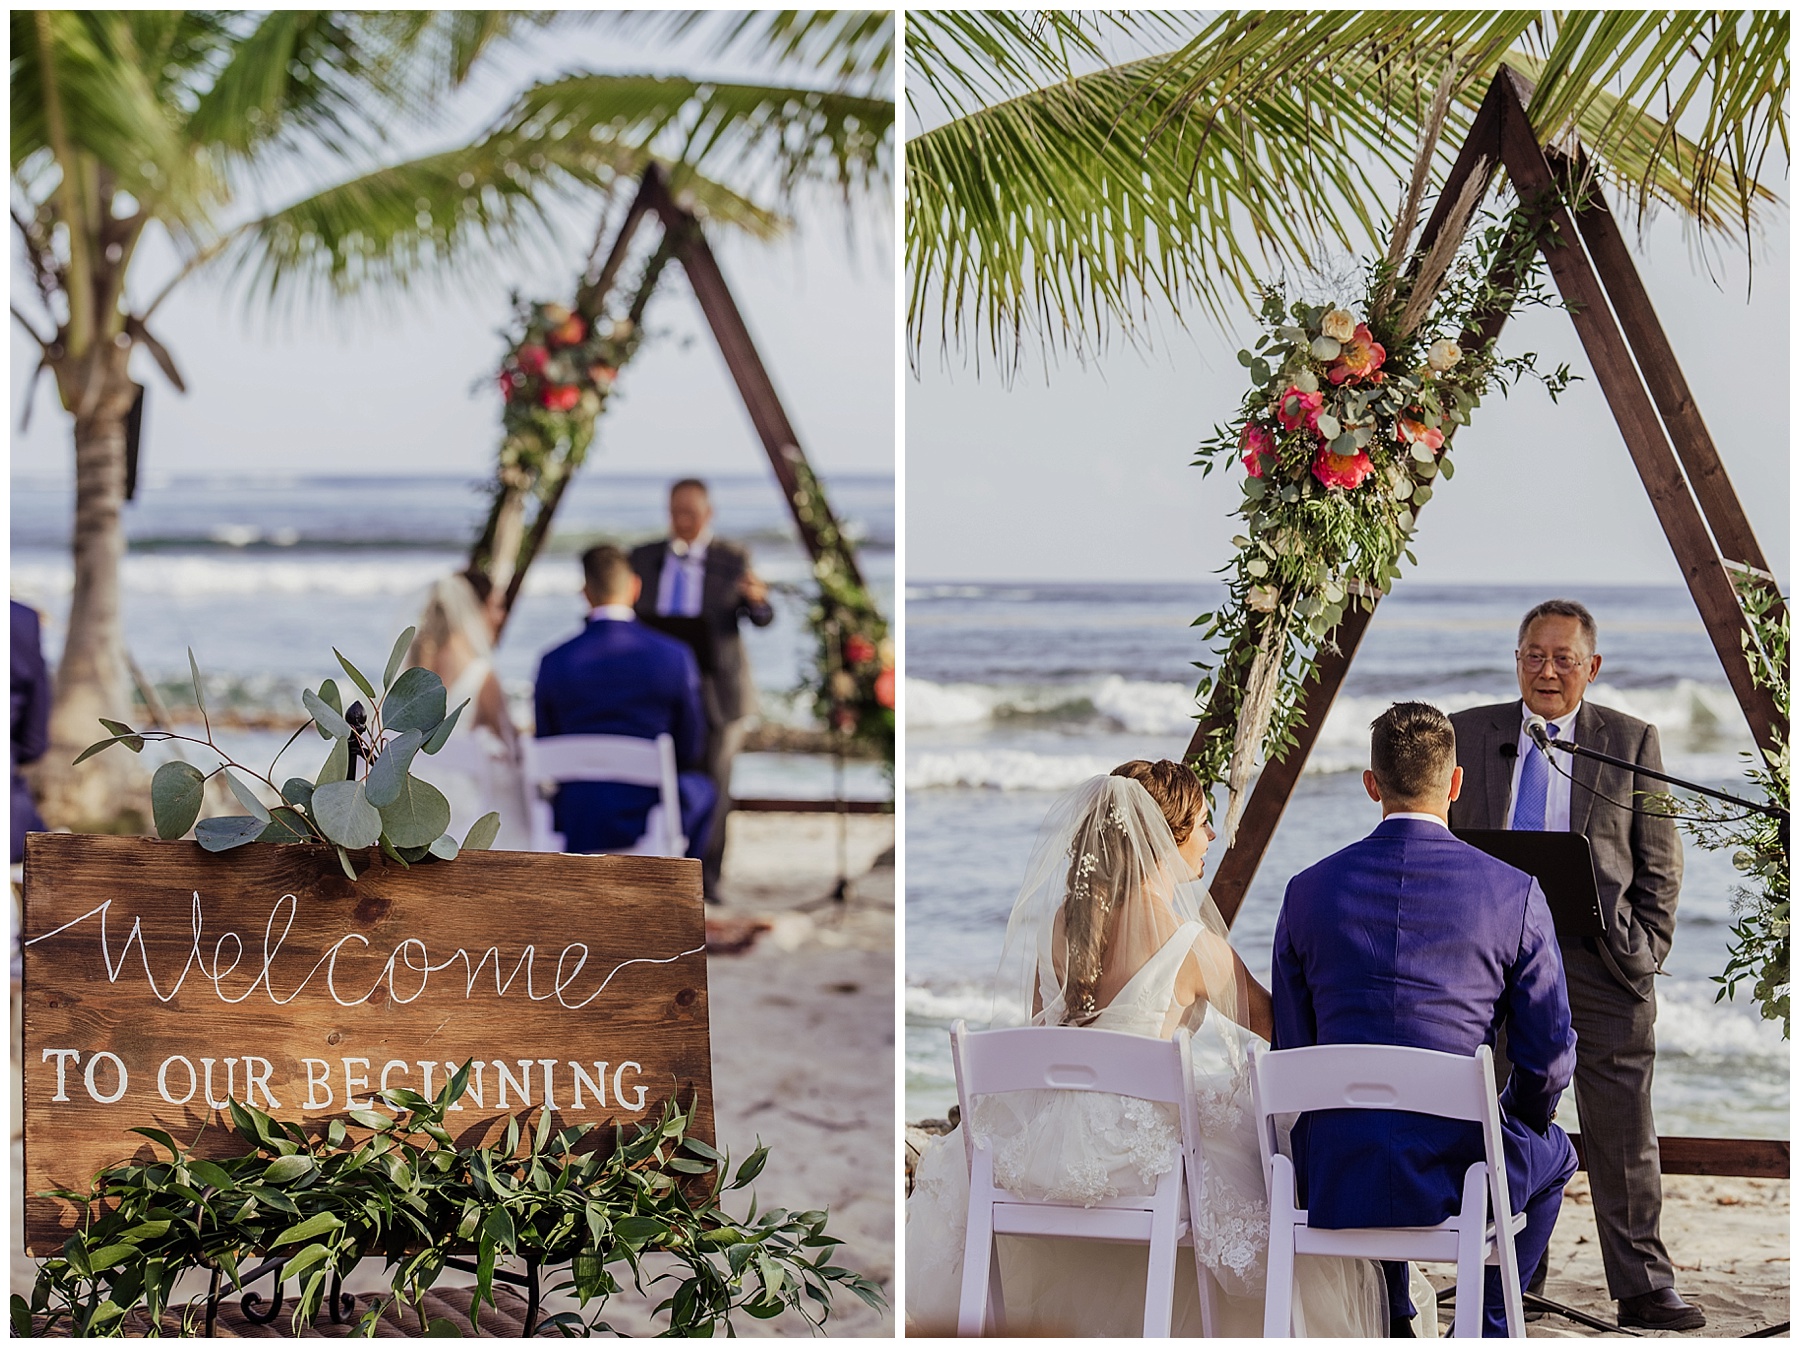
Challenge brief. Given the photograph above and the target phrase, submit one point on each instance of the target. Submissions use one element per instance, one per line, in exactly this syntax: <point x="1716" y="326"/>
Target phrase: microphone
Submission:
<point x="1535" y="728"/>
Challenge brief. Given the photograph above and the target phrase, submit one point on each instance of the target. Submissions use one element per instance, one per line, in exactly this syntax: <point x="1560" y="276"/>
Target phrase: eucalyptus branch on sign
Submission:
<point x="364" y="795"/>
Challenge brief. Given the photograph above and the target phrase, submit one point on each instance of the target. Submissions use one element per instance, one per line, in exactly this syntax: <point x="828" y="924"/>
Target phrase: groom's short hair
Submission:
<point x="607" y="573"/>
<point x="1412" y="752"/>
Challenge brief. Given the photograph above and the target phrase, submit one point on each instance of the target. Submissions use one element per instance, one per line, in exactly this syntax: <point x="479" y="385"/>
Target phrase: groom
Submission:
<point x="1412" y="937"/>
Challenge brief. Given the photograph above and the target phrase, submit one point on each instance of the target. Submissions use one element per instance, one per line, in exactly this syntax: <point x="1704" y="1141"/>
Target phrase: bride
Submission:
<point x="478" y="770"/>
<point x="1111" y="931"/>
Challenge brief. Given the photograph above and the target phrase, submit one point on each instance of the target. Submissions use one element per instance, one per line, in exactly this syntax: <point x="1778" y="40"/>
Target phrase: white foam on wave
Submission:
<point x="1003" y="770"/>
<point x="339" y="574"/>
<point x="1690" y="1024"/>
<point x="1146" y="708"/>
<point x="928" y="1006"/>
<point x="1693" y="718"/>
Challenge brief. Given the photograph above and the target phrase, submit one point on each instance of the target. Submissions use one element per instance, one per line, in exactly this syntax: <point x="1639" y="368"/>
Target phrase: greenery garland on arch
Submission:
<point x="1347" y="428"/>
<point x="851" y="682"/>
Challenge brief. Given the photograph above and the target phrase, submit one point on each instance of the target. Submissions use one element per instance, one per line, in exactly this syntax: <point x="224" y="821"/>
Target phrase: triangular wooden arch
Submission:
<point x="685" y="241"/>
<point x="1675" y="456"/>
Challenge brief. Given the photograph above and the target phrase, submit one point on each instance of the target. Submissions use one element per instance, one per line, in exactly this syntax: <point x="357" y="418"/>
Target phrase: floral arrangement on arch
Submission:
<point x="851" y="682"/>
<point x="1348" y="426"/>
<point x="556" y="380"/>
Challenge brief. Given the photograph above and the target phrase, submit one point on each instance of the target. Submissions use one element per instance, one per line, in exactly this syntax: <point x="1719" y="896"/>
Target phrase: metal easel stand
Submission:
<point x="339" y="1302"/>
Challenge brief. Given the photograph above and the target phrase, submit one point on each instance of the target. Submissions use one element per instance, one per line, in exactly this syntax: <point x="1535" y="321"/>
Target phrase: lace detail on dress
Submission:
<point x="1068" y="1148"/>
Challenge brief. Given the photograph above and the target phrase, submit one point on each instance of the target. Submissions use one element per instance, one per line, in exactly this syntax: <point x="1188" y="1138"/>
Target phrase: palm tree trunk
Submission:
<point x="91" y="678"/>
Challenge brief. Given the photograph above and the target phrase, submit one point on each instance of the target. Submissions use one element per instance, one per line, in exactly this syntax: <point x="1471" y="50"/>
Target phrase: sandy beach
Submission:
<point x="802" y="1050"/>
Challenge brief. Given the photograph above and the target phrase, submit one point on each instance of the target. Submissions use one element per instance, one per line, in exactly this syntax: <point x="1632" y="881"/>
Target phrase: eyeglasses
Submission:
<point x="1565" y="664"/>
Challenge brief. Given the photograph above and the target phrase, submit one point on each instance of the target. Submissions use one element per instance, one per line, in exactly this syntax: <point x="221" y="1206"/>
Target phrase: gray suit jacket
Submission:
<point x="725" y="683"/>
<point x="1637" y="858"/>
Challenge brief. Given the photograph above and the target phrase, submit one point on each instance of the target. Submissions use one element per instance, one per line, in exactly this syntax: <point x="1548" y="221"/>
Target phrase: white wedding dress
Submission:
<point x="476" y="771"/>
<point x="1080" y="1148"/>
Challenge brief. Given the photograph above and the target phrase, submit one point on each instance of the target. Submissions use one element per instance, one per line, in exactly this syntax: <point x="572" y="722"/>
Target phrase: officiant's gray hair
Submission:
<point x="1412" y="752"/>
<point x="1563" y="608"/>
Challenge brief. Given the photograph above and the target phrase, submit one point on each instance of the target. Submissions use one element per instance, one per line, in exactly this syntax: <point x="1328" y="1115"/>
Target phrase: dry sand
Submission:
<point x="1728" y="1239"/>
<point x="803" y="1051"/>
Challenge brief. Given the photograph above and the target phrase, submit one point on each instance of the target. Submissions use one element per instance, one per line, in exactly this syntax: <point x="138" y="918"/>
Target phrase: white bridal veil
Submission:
<point x="1104" y="893"/>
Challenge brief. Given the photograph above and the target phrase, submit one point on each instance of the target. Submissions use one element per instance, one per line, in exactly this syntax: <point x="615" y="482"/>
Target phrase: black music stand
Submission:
<point x="1562" y="863"/>
<point x="694" y="633"/>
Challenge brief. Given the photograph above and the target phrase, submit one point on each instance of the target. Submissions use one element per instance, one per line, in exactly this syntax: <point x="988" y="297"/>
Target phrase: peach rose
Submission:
<point x="1415" y="432"/>
<point x="1297" y="409"/>
<point x="1361" y="357"/>
<point x="1341" y="470"/>
<point x="1255" y="441"/>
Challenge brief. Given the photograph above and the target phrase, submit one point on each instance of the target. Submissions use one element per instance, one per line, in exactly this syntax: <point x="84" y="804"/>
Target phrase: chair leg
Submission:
<point x="981" y="1269"/>
<point x="996" y="1316"/>
<point x="1209" y="1300"/>
<point x="1159" y="1273"/>
<point x="1278" y="1294"/>
<point x="1471" y="1249"/>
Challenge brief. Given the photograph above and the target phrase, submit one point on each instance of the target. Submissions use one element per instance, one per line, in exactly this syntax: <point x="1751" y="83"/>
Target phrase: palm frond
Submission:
<point x="1065" y="212"/>
<point x="851" y="49"/>
<point x="438" y="216"/>
<point x="780" y="136"/>
<point x="1265" y="140"/>
<point x="111" y="109"/>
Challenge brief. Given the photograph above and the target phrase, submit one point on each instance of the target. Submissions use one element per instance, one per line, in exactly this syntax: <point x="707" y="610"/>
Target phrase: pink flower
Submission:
<point x="560" y="397"/>
<point x="1361" y="357"/>
<point x="532" y="359"/>
<point x="1341" y="470"/>
<point x="1256" y="441"/>
<point x="1297" y="409"/>
<point x="1415" y="432"/>
<point x="568" y="332"/>
<point x="884" y="688"/>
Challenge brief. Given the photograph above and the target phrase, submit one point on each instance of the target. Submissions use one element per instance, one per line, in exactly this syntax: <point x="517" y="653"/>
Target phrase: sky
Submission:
<point x="404" y="384"/>
<point x="1083" y="473"/>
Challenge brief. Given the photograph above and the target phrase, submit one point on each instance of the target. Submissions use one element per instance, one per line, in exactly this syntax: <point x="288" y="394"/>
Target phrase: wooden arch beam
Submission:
<point x="1656" y="414"/>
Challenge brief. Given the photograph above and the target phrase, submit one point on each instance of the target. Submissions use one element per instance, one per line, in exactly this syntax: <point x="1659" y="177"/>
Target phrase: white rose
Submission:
<point x="1339" y="324"/>
<point x="1443" y="355"/>
<point x="1264" y="598"/>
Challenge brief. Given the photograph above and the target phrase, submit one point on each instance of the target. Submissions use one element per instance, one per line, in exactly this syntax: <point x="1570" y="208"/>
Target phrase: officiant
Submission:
<point x="699" y="587"/>
<point x="1508" y="782"/>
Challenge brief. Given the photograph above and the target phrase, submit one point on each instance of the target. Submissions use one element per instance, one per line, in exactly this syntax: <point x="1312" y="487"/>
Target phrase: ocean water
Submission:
<point x="262" y="575"/>
<point x="1017" y="692"/>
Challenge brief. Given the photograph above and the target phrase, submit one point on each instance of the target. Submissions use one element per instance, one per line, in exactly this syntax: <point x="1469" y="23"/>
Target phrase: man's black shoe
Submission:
<point x="1400" y="1327"/>
<point x="1661" y="1309"/>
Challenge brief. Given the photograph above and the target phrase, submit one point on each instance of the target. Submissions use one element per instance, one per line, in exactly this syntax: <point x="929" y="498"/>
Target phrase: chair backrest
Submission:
<point x="1064" y="1058"/>
<point x="1380" y="1076"/>
<point x="1068" y="1058"/>
<point x="598" y="758"/>
<point x="626" y="759"/>
<point x="1374" y="1076"/>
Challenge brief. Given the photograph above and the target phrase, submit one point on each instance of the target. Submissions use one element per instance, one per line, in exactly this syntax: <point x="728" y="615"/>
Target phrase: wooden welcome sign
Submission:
<point x="161" y="981"/>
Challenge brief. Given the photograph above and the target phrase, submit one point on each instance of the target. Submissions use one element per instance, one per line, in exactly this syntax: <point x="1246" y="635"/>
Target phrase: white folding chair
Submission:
<point x="557" y="759"/>
<point x="1385" y="1076"/>
<point x="1066" y="1058"/>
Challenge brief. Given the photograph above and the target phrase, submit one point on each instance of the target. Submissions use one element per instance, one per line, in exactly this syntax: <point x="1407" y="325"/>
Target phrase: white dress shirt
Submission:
<point x="1556" y="809"/>
<point x="688" y="559"/>
<point x="618" y="613"/>
<point x="1439" y="820"/>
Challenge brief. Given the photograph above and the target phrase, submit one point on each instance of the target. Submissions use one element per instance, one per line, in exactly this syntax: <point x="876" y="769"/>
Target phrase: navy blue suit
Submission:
<point x="30" y="720"/>
<point x="1413" y="937"/>
<point x="622" y="678"/>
